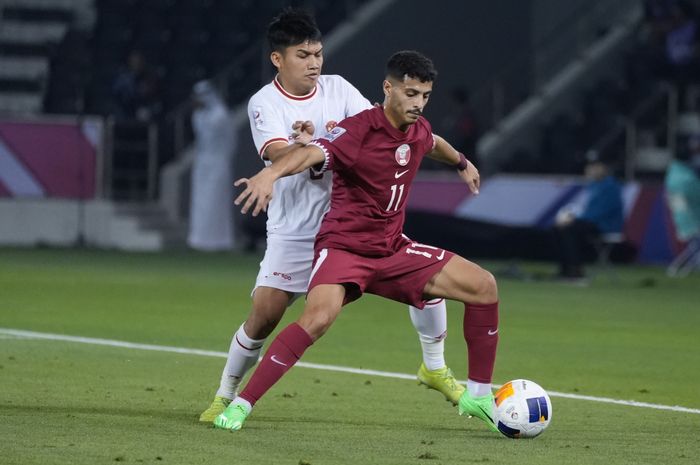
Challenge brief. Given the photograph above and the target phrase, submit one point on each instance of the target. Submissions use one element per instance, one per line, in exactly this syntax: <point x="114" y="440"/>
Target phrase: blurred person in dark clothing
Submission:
<point x="461" y="126"/>
<point x="135" y="90"/>
<point x="679" y="62"/>
<point x="601" y="213"/>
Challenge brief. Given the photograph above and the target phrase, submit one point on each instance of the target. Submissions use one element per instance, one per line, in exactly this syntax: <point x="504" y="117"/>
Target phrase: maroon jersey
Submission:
<point x="373" y="166"/>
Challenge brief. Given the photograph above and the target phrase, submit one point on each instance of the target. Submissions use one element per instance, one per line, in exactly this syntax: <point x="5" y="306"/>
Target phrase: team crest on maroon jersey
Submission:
<point x="403" y="154"/>
<point x="331" y="125"/>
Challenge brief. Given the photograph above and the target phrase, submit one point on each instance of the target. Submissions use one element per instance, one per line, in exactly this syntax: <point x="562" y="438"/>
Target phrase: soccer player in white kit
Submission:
<point x="300" y="93"/>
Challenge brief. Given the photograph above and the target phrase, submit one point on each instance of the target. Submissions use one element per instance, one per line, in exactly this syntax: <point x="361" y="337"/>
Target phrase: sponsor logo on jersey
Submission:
<point x="282" y="275"/>
<point x="258" y="116"/>
<point x="403" y="155"/>
<point x="331" y="125"/>
<point x="334" y="133"/>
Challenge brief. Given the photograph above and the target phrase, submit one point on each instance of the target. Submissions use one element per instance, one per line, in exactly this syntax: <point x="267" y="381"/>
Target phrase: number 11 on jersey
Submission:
<point x="394" y="189"/>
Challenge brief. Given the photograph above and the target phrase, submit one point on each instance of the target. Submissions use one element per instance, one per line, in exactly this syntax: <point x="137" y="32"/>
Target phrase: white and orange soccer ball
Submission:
<point x="523" y="409"/>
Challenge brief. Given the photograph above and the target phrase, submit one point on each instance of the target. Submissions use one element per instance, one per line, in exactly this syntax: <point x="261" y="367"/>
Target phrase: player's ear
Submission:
<point x="276" y="58"/>
<point x="386" y="85"/>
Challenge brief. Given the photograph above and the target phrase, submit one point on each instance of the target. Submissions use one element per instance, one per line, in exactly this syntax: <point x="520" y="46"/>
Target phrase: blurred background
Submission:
<point x="97" y="144"/>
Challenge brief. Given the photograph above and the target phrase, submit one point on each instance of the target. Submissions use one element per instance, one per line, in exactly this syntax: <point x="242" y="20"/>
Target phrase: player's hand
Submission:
<point x="303" y="132"/>
<point x="258" y="192"/>
<point x="470" y="175"/>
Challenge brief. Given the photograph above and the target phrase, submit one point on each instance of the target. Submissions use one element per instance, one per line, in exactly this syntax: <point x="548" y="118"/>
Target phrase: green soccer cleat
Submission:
<point x="217" y="406"/>
<point x="232" y="418"/>
<point x="441" y="380"/>
<point x="481" y="407"/>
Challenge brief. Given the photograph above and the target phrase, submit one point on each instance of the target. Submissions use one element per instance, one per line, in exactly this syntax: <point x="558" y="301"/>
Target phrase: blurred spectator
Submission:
<point x="460" y="126"/>
<point x="135" y="90"/>
<point x="602" y="212"/>
<point x="692" y="158"/>
<point x="212" y="178"/>
<point x="681" y="38"/>
<point x="657" y="16"/>
<point x="679" y="61"/>
<point x="683" y="193"/>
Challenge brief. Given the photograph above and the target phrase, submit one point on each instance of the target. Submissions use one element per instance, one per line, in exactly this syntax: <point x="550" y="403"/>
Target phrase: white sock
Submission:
<point x="242" y="355"/>
<point x="243" y="402"/>
<point x="431" y="324"/>
<point x="478" y="389"/>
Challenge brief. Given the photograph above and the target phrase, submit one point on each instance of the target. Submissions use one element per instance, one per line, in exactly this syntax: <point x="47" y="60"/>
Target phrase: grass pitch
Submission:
<point x="75" y="403"/>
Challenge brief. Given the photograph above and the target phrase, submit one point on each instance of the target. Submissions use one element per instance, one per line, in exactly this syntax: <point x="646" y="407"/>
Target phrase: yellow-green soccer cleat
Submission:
<point x="217" y="406"/>
<point x="441" y="380"/>
<point x="481" y="407"/>
<point x="232" y="418"/>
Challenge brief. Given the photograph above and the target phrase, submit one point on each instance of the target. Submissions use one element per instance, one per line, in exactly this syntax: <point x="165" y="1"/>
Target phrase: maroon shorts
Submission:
<point x="400" y="277"/>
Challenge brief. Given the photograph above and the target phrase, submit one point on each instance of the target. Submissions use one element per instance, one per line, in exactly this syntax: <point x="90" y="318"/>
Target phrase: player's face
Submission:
<point x="299" y="66"/>
<point x="405" y="100"/>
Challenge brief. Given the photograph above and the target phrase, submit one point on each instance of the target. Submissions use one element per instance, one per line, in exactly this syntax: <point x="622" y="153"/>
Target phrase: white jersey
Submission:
<point x="300" y="201"/>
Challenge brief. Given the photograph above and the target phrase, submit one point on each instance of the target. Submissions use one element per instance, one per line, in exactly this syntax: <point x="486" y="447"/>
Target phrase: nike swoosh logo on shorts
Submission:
<point x="492" y="332"/>
<point x="397" y="175"/>
<point x="274" y="359"/>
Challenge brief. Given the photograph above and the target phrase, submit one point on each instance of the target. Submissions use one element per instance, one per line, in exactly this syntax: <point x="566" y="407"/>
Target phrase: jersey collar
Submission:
<point x="291" y="96"/>
<point x="383" y="121"/>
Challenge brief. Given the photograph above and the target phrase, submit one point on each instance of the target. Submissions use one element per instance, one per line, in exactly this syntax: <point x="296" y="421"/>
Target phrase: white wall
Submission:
<point x="56" y="222"/>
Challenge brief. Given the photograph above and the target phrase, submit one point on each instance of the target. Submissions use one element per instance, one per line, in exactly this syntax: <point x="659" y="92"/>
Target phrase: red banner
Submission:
<point x="50" y="158"/>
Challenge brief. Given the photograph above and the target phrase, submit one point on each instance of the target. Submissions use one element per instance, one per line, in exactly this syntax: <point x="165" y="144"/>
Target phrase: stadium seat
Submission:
<point x="604" y="246"/>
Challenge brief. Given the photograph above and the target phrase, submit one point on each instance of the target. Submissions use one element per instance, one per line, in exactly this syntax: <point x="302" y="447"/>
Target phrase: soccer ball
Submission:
<point x="523" y="409"/>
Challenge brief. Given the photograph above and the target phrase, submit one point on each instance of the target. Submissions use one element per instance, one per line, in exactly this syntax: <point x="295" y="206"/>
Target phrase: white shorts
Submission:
<point x="286" y="266"/>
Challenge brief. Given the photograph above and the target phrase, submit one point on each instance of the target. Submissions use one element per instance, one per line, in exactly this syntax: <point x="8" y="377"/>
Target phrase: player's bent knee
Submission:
<point x="316" y="327"/>
<point x="486" y="288"/>
<point x="316" y="321"/>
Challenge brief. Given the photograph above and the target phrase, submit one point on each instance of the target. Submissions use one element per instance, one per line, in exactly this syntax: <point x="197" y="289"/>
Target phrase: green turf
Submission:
<point x="82" y="404"/>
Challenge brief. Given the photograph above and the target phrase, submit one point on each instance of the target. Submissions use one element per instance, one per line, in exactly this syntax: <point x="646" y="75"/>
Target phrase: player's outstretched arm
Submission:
<point x="445" y="153"/>
<point x="258" y="191"/>
<point x="302" y="134"/>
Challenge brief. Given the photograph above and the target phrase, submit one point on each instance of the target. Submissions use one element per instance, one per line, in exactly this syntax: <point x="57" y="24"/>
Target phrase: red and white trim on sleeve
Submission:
<point x="324" y="168"/>
<point x="291" y="96"/>
<point x="269" y="142"/>
<point x="434" y="142"/>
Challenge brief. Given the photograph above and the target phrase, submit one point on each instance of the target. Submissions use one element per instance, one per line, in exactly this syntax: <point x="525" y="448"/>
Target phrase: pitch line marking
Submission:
<point x="361" y="371"/>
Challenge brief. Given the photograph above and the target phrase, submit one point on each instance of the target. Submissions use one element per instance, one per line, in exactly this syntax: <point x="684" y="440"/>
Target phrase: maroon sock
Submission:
<point x="283" y="353"/>
<point x="481" y="334"/>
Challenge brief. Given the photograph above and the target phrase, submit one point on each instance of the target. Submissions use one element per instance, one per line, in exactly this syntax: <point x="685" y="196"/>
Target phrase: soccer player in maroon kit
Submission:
<point x="360" y="247"/>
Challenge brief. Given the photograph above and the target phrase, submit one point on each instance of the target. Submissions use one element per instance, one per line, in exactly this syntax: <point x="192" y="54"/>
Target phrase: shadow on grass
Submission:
<point x="326" y="423"/>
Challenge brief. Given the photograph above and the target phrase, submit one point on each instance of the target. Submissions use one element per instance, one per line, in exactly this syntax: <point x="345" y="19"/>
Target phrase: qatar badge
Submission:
<point x="258" y="116"/>
<point x="403" y="154"/>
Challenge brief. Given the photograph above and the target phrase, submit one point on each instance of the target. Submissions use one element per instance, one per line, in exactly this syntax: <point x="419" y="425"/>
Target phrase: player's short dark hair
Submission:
<point x="291" y="27"/>
<point x="412" y="64"/>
